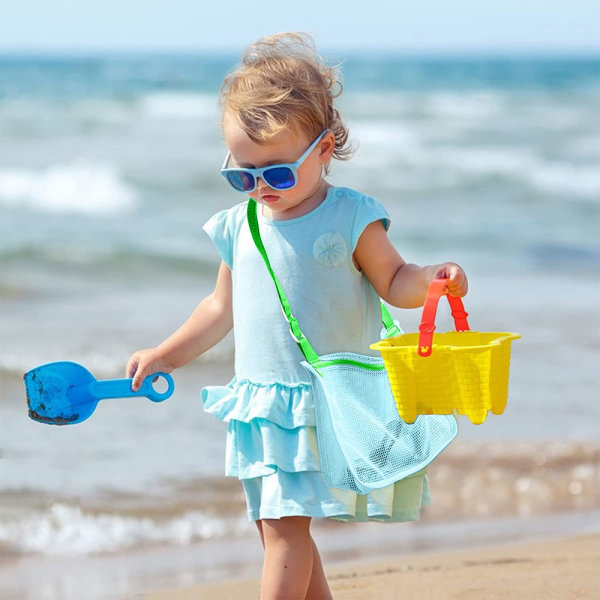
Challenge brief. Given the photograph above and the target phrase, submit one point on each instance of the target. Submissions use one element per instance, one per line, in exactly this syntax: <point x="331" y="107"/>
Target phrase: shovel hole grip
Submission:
<point x="152" y="393"/>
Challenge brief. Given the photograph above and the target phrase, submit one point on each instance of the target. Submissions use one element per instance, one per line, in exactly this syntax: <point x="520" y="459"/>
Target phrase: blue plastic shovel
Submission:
<point x="65" y="393"/>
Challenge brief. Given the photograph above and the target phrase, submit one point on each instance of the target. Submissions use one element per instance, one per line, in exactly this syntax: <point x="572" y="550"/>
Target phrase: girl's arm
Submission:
<point x="397" y="282"/>
<point x="208" y="324"/>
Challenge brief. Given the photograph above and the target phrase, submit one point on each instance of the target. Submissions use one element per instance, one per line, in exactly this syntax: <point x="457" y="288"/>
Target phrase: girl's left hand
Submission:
<point x="457" y="279"/>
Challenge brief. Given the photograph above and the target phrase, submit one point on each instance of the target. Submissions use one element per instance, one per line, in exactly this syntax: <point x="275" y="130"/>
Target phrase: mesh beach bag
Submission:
<point x="436" y="373"/>
<point x="363" y="442"/>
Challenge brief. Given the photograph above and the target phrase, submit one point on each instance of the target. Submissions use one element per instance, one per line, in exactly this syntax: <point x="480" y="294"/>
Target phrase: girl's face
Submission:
<point x="285" y="147"/>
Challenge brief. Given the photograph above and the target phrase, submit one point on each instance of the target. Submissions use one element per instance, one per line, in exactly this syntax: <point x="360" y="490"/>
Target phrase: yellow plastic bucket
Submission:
<point x="436" y="373"/>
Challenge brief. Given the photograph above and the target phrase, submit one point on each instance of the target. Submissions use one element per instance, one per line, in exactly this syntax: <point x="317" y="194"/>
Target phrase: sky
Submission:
<point x="546" y="26"/>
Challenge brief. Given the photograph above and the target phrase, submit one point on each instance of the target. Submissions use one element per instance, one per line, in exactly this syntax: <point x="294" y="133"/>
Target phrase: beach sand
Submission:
<point x="562" y="569"/>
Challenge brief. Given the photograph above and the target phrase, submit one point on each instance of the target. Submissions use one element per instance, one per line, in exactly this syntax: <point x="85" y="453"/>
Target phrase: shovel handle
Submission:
<point x="121" y="388"/>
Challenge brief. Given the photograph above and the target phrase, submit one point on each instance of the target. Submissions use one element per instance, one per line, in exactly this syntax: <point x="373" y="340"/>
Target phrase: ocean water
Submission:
<point x="108" y="169"/>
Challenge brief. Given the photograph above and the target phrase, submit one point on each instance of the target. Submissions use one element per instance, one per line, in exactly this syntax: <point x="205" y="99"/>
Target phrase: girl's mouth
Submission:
<point x="269" y="198"/>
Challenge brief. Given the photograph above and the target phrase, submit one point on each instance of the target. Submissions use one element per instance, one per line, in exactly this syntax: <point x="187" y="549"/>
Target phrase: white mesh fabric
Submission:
<point x="363" y="442"/>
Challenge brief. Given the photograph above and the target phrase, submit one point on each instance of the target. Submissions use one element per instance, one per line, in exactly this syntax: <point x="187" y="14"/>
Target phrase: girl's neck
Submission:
<point x="314" y="199"/>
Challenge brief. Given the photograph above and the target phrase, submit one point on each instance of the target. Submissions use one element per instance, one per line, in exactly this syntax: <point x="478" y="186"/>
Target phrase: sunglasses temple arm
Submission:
<point x="226" y="161"/>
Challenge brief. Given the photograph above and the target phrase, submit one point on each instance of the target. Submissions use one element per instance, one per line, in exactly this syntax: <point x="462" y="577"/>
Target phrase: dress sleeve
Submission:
<point x="368" y="210"/>
<point x="219" y="229"/>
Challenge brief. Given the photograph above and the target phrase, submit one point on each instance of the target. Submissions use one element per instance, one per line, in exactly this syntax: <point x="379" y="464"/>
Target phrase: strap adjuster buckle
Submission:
<point x="293" y="323"/>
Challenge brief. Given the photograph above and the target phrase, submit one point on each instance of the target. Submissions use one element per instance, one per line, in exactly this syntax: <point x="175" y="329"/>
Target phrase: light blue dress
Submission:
<point x="271" y="437"/>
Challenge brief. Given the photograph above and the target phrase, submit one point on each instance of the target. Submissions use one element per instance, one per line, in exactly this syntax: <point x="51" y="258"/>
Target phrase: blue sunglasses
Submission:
<point x="278" y="177"/>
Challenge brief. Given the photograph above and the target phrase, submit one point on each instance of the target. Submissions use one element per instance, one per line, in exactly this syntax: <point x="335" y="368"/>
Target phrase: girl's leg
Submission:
<point x="290" y="556"/>
<point x="318" y="588"/>
<point x="259" y="527"/>
<point x="288" y="564"/>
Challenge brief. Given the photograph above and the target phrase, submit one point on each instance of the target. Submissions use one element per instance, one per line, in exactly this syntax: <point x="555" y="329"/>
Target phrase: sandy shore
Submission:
<point x="556" y="570"/>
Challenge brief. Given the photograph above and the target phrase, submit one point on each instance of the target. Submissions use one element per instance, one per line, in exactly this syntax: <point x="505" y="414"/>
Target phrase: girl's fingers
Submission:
<point x="136" y="371"/>
<point x="458" y="284"/>
<point x="457" y="280"/>
<point x="130" y="369"/>
<point x="138" y="379"/>
<point x="142" y="364"/>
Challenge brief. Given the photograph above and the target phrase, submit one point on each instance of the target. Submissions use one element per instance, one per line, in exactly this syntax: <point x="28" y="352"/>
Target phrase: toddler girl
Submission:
<point x="329" y="249"/>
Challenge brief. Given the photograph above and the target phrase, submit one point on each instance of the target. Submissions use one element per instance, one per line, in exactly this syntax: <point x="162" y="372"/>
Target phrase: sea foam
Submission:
<point x="80" y="187"/>
<point x="65" y="529"/>
<point x="180" y="105"/>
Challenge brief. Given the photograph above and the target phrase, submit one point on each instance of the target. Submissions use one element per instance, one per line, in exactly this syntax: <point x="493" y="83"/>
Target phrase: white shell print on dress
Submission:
<point x="330" y="249"/>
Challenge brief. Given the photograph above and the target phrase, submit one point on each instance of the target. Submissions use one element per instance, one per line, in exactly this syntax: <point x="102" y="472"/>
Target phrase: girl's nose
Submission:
<point x="261" y="183"/>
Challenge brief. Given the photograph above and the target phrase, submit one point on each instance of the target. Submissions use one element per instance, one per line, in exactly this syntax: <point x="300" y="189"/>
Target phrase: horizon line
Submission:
<point x="439" y="52"/>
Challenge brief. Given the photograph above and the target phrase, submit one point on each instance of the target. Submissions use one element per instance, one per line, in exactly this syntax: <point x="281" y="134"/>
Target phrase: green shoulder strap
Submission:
<point x="307" y="350"/>
<point x="304" y="345"/>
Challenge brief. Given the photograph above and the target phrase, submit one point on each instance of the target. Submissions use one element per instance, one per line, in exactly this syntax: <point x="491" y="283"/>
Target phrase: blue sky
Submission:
<point x="416" y="26"/>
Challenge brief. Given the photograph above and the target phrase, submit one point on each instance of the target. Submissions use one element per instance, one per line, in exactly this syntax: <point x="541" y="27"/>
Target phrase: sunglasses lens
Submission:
<point x="280" y="178"/>
<point x="241" y="180"/>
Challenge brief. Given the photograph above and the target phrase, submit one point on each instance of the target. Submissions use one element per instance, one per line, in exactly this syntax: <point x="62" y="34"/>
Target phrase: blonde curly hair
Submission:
<point x="282" y="83"/>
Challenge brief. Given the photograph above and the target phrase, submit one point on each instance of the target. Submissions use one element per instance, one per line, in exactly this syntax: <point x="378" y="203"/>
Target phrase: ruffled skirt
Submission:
<point x="272" y="448"/>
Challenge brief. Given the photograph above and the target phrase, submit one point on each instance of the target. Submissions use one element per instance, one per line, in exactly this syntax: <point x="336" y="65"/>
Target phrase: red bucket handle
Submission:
<point x="427" y="326"/>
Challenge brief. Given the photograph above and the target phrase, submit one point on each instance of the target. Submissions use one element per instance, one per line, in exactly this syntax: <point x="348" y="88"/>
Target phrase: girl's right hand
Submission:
<point x="143" y="363"/>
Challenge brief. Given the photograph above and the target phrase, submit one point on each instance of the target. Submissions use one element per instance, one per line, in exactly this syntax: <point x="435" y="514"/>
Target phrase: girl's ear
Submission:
<point x="326" y="147"/>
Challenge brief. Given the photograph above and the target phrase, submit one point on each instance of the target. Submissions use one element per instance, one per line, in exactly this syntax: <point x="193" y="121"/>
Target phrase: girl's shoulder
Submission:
<point x="234" y="214"/>
<point x="353" y="198"/>
<point x="349" y="212"/>
<point x="361" y="206"/>
<point x="229" y="220"/>
<point x="223" y="228"/>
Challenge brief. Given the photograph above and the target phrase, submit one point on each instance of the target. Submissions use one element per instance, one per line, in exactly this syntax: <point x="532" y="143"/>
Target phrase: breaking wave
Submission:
<point x="76" y="187"/>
